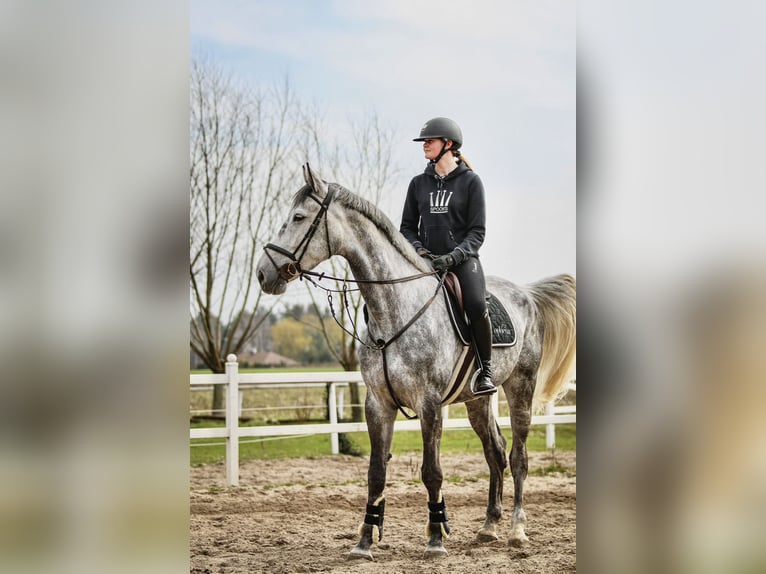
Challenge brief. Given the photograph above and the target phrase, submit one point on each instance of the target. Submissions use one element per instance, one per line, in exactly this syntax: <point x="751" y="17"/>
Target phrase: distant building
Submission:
<point x="266" y="359"/>
<point x="260" y="339"/>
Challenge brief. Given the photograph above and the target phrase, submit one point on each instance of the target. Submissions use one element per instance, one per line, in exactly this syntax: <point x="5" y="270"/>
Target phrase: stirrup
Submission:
<point x="486" y="388"/>
<point x="485" y="391"/>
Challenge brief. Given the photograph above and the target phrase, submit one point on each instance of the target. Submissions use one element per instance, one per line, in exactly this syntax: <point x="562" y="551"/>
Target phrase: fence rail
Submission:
<point x="236" y="382"/>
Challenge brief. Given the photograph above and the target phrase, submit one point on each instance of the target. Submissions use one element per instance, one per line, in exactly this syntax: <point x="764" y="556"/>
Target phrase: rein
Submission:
<point x="323" y="275"/>
<point x="380" y="344"/>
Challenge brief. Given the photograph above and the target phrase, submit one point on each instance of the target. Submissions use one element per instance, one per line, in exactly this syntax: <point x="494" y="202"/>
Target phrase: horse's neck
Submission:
<point x="372" y="256"/>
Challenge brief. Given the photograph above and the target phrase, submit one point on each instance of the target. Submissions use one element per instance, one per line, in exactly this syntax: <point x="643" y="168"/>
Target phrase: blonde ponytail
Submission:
<point x="461" y="157"/>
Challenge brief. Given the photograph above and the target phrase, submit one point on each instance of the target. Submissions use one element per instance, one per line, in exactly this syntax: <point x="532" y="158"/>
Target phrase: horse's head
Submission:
<point x="303" y="240"/>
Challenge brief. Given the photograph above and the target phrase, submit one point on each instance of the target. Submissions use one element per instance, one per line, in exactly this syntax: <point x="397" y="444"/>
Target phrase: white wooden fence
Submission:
<point x="236" y="381"/>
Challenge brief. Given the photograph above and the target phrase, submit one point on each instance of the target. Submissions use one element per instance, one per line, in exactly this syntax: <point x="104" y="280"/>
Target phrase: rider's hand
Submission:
<point x="423" y="252"/>
<point x="444" y="262"/>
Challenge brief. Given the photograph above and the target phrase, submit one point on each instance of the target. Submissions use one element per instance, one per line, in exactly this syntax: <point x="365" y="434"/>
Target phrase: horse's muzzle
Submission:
<point x="271" y="280"/>
<point x="289" y="271"/>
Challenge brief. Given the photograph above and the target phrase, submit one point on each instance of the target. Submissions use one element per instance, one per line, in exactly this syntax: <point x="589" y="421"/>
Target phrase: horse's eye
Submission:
<point x="298" y="217"/>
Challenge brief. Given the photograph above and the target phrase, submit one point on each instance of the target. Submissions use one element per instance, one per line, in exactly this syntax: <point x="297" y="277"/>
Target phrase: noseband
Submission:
<point x="292" y="268"/>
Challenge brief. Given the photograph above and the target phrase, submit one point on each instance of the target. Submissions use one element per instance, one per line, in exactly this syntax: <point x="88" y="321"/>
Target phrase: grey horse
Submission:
<point x="411" y="348"/>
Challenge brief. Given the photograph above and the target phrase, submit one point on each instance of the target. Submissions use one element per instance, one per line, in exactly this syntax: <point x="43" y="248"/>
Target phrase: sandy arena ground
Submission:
<point x="301" y="515"/>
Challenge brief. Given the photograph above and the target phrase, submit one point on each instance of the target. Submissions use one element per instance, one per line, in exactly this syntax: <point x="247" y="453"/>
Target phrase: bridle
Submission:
<point x="292" y="268"/>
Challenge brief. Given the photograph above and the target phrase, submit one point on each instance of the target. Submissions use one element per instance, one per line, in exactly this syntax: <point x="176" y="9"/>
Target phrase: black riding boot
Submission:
<point x="482" y="338"/>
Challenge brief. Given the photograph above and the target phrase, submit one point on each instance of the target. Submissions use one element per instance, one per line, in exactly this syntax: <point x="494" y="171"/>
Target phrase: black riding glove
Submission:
<point x="444" y="262"/>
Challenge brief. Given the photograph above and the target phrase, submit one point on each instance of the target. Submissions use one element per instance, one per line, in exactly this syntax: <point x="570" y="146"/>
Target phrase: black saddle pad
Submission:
<point x="503" y="333"/>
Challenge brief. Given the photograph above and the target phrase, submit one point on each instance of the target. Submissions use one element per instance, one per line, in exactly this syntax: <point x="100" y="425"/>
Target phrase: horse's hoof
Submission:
<point x="518" y="541"/>
<point x="358" y="553"/>
<point x="435" y="552"/>
<point x="486" y="536"/>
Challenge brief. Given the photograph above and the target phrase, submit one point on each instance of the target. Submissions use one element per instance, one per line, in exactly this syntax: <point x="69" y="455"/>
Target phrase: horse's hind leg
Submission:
<point x="431" y="474"/>
<point x="521" y="418"/>
<point x="484" y="423"/>
<point x="380" y="427"/>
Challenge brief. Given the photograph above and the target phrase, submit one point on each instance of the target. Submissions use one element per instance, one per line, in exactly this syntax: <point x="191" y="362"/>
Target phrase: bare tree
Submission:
<point x="363" y="165"/>
<point x="241" y="166"/>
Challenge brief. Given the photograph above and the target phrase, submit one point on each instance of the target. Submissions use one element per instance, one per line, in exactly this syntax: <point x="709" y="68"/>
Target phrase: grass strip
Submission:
<point x="314" y="446"/>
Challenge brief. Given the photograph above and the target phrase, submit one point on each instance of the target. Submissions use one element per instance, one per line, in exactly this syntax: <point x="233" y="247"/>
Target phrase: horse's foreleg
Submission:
<point x="380" y="427"/>
<point x="485" y="425"/>
<point x="437" y="528"/>
<point x="521" y="418"/>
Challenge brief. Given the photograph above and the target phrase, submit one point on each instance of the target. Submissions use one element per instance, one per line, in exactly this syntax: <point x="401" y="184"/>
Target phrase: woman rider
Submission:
<point x="444" y="218"/>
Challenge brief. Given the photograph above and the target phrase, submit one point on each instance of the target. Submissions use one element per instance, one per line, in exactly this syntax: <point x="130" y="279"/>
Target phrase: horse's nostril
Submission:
<point x="260" y="277"/>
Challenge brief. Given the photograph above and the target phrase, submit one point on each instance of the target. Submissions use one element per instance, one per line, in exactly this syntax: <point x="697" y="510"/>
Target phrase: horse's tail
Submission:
<point x="556" y="302"/>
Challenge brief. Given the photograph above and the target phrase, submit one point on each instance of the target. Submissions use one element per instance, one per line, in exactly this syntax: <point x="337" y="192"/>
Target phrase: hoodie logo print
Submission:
<point x="440" y="203"/>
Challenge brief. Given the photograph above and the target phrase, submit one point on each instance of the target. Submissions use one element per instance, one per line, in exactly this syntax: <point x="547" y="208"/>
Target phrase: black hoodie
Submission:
<point x="445" y="213"/>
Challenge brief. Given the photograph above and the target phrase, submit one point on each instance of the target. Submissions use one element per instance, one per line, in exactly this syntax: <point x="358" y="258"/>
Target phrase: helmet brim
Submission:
<point x="455" y="145"/>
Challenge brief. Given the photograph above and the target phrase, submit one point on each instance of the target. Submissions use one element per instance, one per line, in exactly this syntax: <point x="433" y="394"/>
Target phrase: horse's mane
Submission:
<point x="357" y="203"/>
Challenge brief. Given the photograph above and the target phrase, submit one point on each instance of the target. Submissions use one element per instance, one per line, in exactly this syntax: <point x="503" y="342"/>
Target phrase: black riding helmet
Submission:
<point x="443" y="129"/>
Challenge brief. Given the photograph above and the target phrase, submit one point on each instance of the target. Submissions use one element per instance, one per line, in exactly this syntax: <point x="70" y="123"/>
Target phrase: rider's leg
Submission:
<point x="471" y="277"/>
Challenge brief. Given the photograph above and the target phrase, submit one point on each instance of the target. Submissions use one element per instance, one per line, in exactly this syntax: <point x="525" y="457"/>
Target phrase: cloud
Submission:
<point x="522" y="49"/>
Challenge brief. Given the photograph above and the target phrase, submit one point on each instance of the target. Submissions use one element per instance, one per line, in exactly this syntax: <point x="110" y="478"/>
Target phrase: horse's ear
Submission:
<point x="313" y="180"/>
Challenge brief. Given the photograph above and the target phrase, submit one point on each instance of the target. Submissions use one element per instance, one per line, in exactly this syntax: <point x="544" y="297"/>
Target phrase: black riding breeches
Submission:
<point x="471" y="276"/>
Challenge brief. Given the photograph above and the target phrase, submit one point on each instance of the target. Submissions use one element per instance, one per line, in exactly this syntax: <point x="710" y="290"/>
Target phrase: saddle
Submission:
<point x="503" y="332"/>
<point x="465" y="370"/>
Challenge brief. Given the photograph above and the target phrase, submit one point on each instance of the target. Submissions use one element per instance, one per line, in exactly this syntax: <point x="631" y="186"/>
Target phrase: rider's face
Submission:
<point x="433" y="147"/>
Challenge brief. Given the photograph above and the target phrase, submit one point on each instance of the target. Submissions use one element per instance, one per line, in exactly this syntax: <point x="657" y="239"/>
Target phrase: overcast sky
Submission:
<point x="504" y="70"/>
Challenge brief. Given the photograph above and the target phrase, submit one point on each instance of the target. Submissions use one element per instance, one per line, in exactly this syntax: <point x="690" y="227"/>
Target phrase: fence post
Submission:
<point x="550" y="428"/>
<point x="333" y="408"/>
<point x="232" y="421"/>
